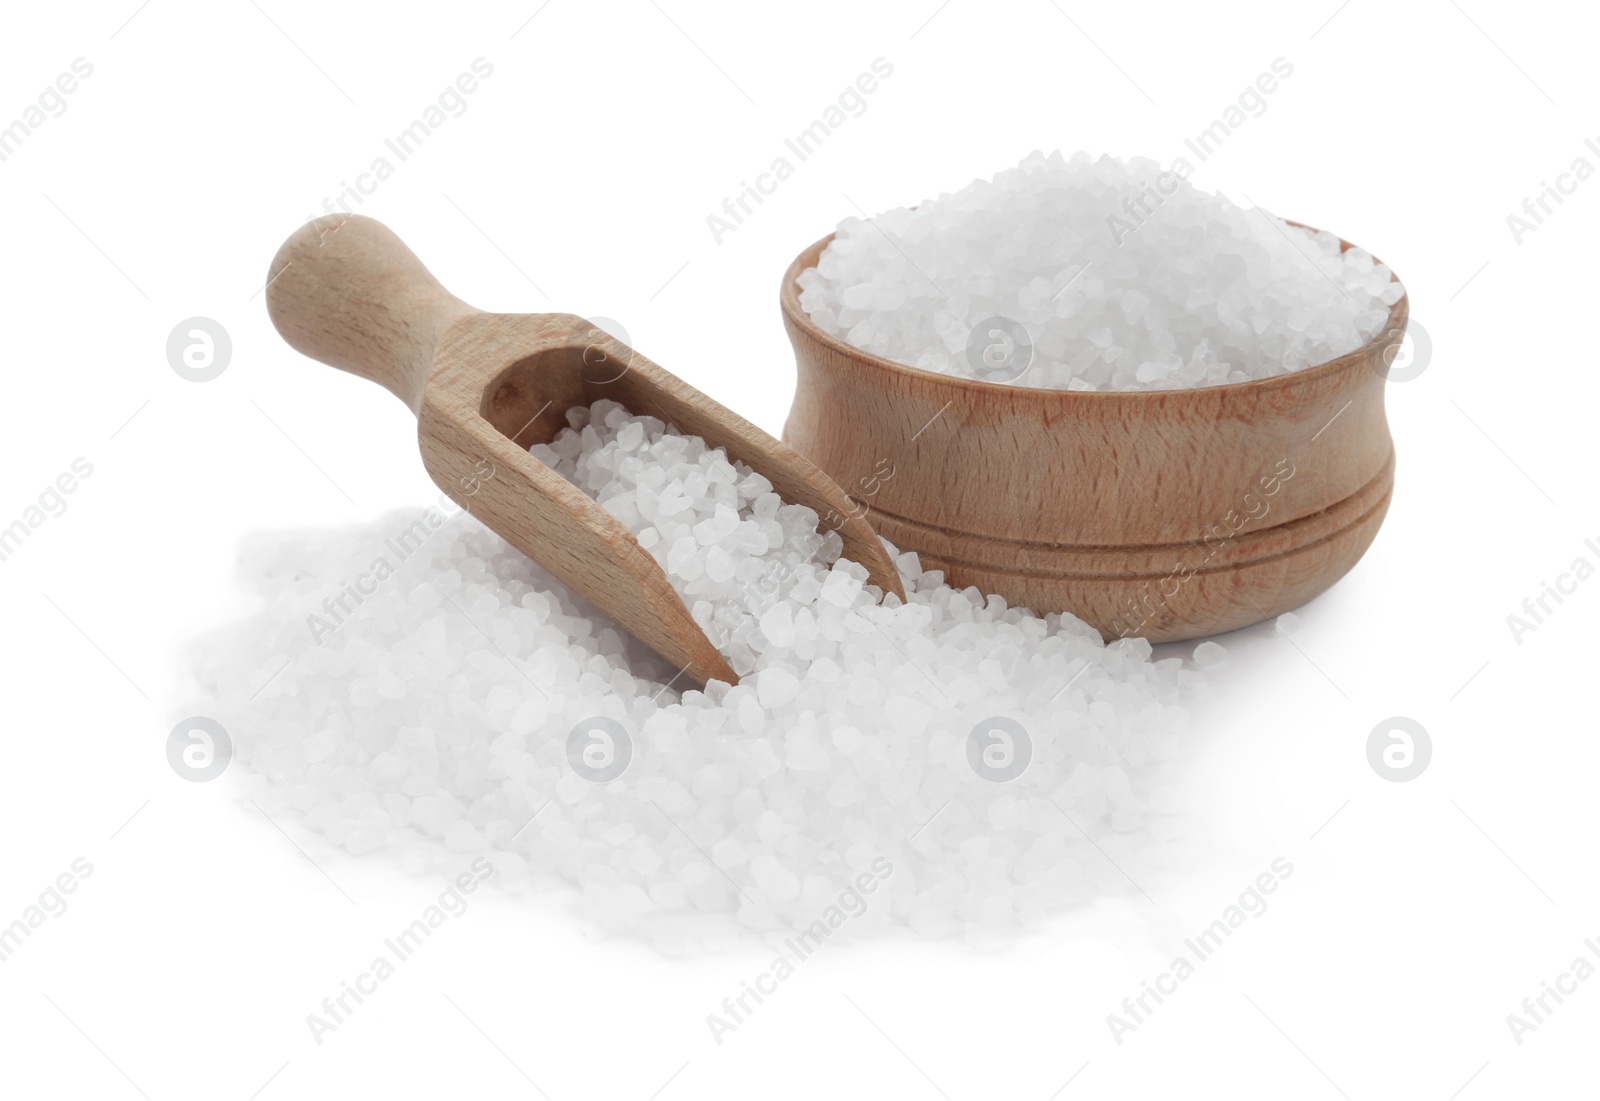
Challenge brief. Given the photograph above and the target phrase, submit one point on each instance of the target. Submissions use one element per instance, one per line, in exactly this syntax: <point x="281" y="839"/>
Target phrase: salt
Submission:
<point x="846" y="741"/>
<point x="1118" y="276"/>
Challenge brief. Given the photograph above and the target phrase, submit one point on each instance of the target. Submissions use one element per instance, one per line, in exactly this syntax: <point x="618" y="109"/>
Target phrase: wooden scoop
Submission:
<point x="485" y="387"/>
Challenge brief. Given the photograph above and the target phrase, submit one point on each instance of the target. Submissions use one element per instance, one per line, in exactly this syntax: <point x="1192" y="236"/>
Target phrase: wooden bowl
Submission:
<point x="1167" y="514"/>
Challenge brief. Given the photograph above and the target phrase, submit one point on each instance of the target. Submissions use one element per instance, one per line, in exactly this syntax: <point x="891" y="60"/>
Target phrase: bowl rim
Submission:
<point x="789" y="302"/>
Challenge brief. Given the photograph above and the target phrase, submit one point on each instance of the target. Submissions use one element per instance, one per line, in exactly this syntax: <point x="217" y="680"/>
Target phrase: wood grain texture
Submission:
<point x="485" y="387"/>
<point x="1166" y="514"/>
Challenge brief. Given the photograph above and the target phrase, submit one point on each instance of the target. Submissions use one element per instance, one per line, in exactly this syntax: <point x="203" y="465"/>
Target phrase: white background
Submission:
<point x="1419" y="914"/>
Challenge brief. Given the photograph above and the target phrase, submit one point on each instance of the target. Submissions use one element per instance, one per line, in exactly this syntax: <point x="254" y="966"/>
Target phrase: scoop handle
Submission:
<point x="347" y="292"/>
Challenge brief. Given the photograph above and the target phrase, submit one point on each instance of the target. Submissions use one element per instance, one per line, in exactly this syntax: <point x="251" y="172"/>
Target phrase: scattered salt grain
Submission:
<point x="848" y="740"/>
